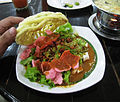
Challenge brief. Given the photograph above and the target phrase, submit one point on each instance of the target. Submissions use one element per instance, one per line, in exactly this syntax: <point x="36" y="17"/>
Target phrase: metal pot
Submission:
<point x="108" y="19"/>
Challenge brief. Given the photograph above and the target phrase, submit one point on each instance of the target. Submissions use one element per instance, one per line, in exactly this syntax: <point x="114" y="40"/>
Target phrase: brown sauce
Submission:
<point x="87" y="65"/>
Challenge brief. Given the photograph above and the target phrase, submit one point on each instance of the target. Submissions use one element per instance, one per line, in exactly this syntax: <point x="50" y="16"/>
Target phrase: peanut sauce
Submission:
<point x="87" y="65"/>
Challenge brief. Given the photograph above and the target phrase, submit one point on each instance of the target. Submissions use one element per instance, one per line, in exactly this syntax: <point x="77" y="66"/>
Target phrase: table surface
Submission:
<point x="108" y="89"/>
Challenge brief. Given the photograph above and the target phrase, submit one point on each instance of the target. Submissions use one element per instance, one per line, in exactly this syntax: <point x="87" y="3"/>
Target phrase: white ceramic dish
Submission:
<point x="5" y="1"/>
<point x="92" y="79"/>
<point x="57" y="4"/>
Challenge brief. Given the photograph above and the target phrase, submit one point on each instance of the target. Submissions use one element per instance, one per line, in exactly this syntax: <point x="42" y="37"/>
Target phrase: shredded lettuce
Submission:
<point x="27" y="61"/>
<point x="32" y="73"/>
<point x="66" y="28"/>
<point x="65" y="31"/>
<point x="45" y="81"/>
<point x="66" y="76"/>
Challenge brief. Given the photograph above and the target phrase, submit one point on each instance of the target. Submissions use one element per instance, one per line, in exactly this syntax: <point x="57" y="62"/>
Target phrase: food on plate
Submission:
<point x="109" y="5"/>
<point x="77" y="3"/>
<point x="58" y="58"/>
<point x="70" y="3"/>
<point x="32" y="27"/>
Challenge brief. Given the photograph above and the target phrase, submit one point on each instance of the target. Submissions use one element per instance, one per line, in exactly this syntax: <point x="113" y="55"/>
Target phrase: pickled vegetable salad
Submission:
<point x="53" y="56"/>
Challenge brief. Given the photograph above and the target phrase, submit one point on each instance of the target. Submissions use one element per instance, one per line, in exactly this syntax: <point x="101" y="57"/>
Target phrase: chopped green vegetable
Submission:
<point x="57" y="55"/>
<point x="45" y="34"/>
<point x="66" y="76"/>
<point x="80" y="62"/>
<point x="44" y="60"/>
<point x="65" y="31"/>
<point x="32" y="73"/>
<point x="45" y="81"/>
<point x="77" y="3"/>
<point x="66" y="28"/>
<point x="81" y="42"/>
<point x="57" y="52"/>
<point x="77" y="46"/>
<point x="47" y="54"/>
<point x="50" y="83"/>
<point x="27" y="61"/>
<point x="32" y="51"/>
<point x="53" y="49"/>
<point x="68" y="5"/>
<point x="58" y="47"/>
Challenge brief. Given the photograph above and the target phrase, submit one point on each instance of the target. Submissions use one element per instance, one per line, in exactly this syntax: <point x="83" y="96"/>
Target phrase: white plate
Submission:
<point x="57" y="4"/>
<point x="92" y="79"/>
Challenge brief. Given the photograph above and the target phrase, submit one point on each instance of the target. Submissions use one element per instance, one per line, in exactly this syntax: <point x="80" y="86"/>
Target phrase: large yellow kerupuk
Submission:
<point x="34" y="26"/>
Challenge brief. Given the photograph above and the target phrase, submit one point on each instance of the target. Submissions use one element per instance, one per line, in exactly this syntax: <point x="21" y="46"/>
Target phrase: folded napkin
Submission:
<point x="5" y="1"/>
